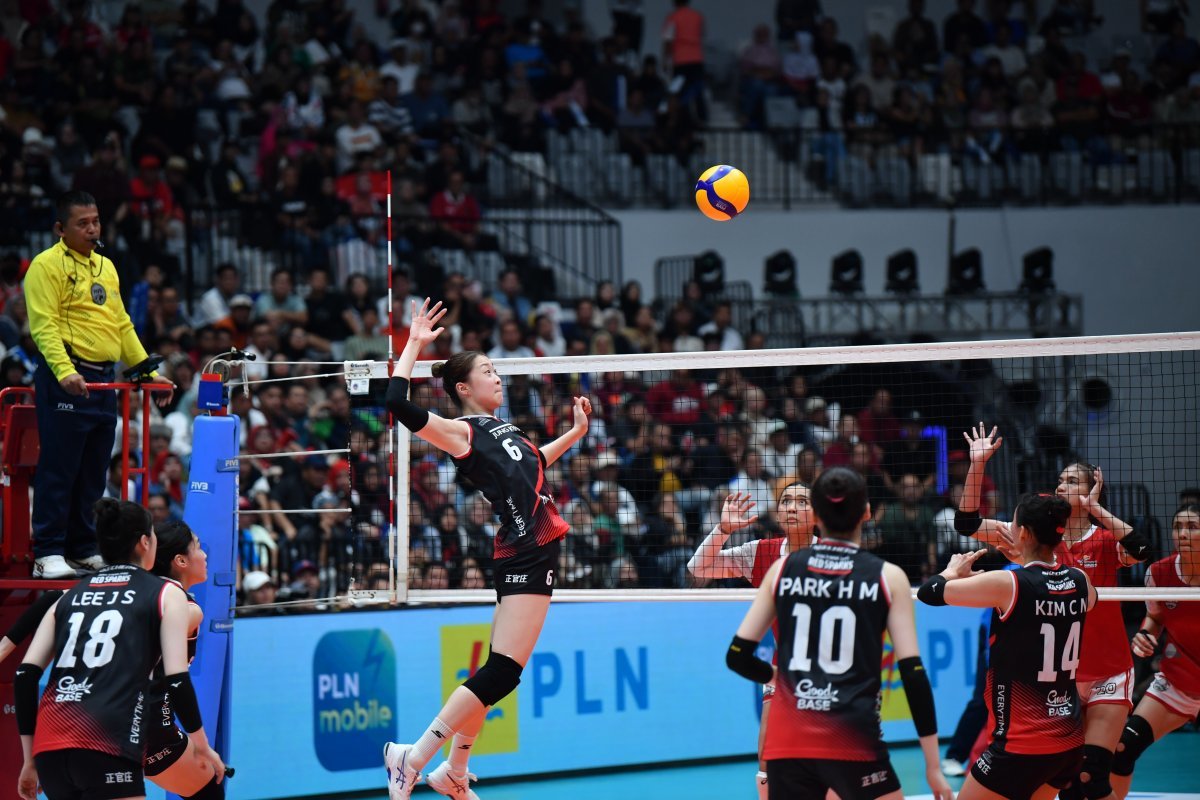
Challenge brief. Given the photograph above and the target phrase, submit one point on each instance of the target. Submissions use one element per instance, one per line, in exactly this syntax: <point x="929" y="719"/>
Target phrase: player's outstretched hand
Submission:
<point x="939" y="785"/>
<point x="960" y="565"/>
<point x="735" y="513"/>
<point x="1144" y="644"/>
<point x="983" y="445"/>
<point x="422" y="329"/>
<point x="581" y="407"/>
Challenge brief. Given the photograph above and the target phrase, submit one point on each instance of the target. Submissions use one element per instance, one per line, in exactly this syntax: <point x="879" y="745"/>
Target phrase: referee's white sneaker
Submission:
<point x="89" y="564"/>
<point x="53" y="568"/>
<point x="401" y="777"/>
<point x="443" y="781"/>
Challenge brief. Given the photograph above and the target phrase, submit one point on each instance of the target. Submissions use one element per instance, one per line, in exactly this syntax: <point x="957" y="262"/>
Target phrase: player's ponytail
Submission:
<point x="1045" y="516"/>
<point x="174" y="539"/>
<point x="120" y="525"/>
<point x="454" y="371"/>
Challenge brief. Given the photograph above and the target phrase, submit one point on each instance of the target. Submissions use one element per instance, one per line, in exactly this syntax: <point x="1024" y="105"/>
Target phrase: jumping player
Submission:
<point x="751" y="561"/>
<point x="1173" y="698"/>
<point x="497" y="458"/>
<point x="1098" y="543"/>
<point x="1037" y="726"/>
<point x="170" y="761"/>
<point x="833" y="603"/>
<point x="105" y="635"/>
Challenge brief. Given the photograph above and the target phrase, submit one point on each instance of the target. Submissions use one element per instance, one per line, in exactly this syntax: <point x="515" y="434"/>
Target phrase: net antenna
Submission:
<point x="1151" y="388"/>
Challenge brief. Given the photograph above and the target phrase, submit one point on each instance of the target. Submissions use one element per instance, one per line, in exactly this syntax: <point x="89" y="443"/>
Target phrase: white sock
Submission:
<point x="760" y="780"/>
<point x="431" y="741"/>
<point x="460" y="751"/>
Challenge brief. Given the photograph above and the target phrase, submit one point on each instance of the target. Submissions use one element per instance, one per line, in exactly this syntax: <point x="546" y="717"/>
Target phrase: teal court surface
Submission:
<point x="1170" y="770"/>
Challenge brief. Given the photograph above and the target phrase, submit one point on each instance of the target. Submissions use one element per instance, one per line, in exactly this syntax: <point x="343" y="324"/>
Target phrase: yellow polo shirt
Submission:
<point x="76" y="300"/>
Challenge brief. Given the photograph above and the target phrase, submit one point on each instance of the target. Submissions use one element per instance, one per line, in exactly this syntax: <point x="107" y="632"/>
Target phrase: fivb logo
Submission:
<point x="200" y="486"/>
<point x="354" y="698"/>
<point x="464" y="649"/>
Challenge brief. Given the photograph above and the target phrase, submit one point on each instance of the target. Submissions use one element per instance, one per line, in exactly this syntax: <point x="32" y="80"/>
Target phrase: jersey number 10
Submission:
<point x="831" y="662"/>
<point x="101" y="643"/>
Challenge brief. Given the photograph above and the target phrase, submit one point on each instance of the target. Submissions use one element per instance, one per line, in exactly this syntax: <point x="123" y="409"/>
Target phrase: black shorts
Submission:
<point x="1018" y="775"/>
<point x="531" y="572"/>
<point x="811" y="778"/>
<point x="164" y="747"/>
<point x="77" y="774"/>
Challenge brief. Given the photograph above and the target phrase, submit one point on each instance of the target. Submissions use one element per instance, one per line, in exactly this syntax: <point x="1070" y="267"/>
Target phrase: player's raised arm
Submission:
<point x="709" y="560"/>
<point x="967" y="521"/>
<point x="450" y="436"/>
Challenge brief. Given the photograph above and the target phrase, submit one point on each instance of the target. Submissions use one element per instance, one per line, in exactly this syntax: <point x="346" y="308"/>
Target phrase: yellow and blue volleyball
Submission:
<point x="722" y="192"/>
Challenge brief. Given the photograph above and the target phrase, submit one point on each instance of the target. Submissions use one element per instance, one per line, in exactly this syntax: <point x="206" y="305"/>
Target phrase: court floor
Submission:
<point x="1167" y="771"/>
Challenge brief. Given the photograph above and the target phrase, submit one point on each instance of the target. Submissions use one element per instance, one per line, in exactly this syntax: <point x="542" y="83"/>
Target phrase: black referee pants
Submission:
<point x="76" y="436"/>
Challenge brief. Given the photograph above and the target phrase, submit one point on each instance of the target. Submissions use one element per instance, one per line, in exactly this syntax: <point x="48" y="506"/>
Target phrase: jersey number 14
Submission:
<point x="1070" y="653"/>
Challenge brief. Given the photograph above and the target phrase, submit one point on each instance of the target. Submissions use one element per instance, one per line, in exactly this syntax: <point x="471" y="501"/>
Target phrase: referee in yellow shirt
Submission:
<point x="81" y="329"/>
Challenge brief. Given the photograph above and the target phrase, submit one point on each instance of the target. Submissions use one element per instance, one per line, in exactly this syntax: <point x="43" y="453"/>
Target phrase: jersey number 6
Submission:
<point x="513" y="451"/>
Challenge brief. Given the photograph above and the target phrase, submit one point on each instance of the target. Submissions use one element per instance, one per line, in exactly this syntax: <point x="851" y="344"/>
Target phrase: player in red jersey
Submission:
<point x="1173" y="699"/>
<point x="1037" y="727"/>
<point x="833" y="602"/>
<point x="1099" y="544"/>
<point x="499" y="460"/>
<point x="85" y="738"/>
<point x="752" y="559"/>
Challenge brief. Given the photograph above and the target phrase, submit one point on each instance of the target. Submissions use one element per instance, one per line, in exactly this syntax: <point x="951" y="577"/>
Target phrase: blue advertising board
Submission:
<point x="315" y="697"/>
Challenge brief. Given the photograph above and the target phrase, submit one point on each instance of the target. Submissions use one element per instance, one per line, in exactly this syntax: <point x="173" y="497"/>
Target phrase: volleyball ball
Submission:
<point x="722" y="192"/>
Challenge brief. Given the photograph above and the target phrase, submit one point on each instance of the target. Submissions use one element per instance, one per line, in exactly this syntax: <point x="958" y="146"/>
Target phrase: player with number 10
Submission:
<point x="498" y="459"/>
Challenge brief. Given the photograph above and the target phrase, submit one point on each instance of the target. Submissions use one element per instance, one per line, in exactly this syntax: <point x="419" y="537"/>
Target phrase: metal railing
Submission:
<point x="797" y="164"/>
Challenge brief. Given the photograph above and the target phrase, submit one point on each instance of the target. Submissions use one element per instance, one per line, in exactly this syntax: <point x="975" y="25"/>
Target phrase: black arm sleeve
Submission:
<point x="967" y="522"/>
<point x="411" y="415"/>
<point x="1136" y="543"/>
<point x="919" y="694"/>
<point x="28" y="622"/>
<point x="183" y="701"/>
<point x="741" y="659"/>
<point x="933" y="591"/>
<point x="25" y="697"/>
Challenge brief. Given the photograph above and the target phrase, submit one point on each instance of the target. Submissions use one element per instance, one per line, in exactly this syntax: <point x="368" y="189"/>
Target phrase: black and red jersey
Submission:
<point x="106" y="643"/>
<point x="831" y="604"/>
<point x="511" y="473"/>
<point x="1181" y="640"/>
<point x="1035" y="644"/>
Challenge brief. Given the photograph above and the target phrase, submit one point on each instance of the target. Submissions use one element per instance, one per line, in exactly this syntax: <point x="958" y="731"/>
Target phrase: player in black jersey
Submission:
<point x="509" y="470"/>
<point x="1033" y="703"/>
<point x="87" y="737"/>
<point x="834" y="602"/>
<point x="170" y="760"/>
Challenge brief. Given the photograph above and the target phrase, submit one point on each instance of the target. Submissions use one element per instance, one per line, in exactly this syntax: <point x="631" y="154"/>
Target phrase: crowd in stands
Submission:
<point x="289" y="120"/>
<point x="987" y="83"/>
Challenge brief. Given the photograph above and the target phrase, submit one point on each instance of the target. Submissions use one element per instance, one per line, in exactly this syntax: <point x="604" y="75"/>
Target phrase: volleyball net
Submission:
<point x="673" y="434"/>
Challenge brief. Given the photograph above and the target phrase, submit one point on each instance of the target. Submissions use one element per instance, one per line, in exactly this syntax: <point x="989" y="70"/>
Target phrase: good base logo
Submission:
<point x="354" y="698"/>
<point x="464" y="649"/>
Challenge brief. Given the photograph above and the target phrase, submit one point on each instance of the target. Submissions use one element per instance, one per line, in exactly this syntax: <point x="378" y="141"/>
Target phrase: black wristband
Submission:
<point x="933" y="591"/>
<point x="919" y="694"/>
<point x="741" y="659"/>
<point x="28" y="622"/>
<point x="25" y="697"/>
<point x="1137" y="544"/>
<point x="183" y="701"/>
<point x="967" y="522"/>
<point x="409" y="414"/>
